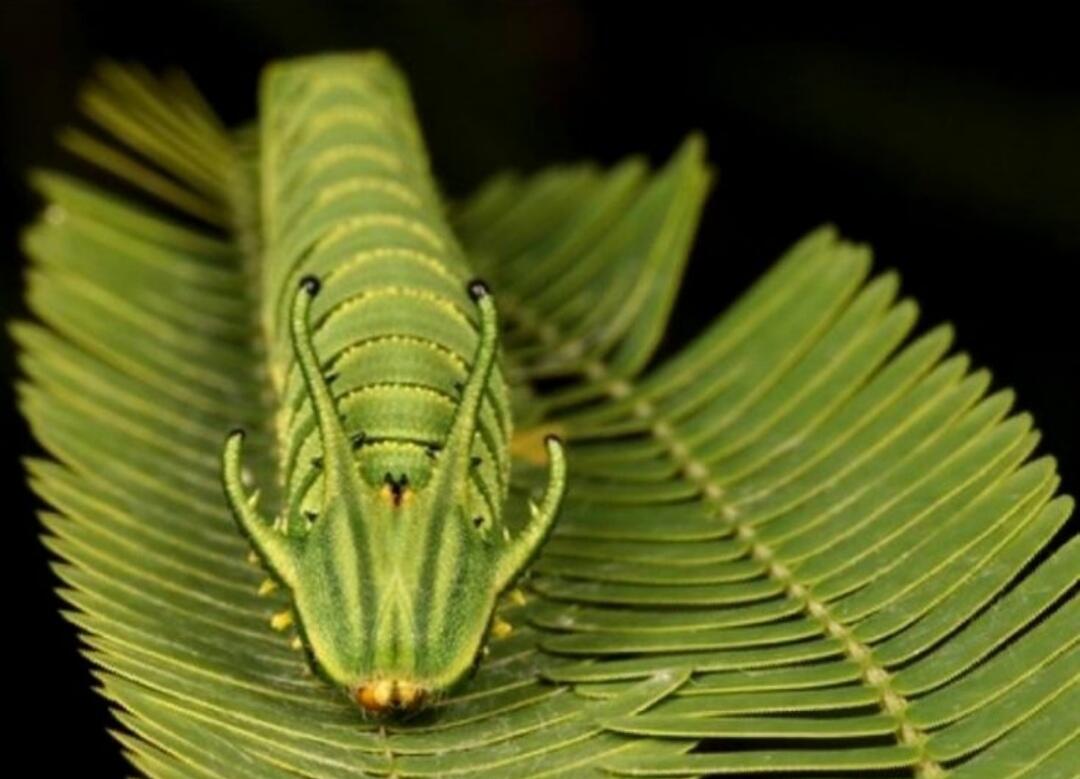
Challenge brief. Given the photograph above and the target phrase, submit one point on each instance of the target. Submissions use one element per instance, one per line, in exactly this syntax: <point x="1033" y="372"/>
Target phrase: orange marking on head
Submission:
<point x="387" y="695"/>
<point x="365" y="696"/>
<point x="409" y="695"/>
<point x="396" y="495"/>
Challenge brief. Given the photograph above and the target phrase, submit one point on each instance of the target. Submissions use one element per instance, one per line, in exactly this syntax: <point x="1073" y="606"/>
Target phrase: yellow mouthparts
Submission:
<point x="385" y="695"/>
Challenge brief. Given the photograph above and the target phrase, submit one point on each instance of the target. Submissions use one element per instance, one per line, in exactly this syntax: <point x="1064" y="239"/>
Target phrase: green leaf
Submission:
<point x="812" y="536"/>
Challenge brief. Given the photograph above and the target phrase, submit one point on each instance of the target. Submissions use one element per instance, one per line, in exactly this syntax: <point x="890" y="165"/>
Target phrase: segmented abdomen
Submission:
<point x="348" y="198"/>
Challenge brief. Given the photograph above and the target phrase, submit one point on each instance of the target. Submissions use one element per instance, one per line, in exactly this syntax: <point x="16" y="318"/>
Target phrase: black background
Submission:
<point x="952" y="146"/>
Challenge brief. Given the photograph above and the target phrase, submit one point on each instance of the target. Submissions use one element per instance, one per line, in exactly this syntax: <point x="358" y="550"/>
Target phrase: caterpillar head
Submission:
<point x="395" y="582"/>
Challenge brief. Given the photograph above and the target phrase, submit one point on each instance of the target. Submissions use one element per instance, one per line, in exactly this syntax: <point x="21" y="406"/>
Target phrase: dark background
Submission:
<point x="953" y="147"/>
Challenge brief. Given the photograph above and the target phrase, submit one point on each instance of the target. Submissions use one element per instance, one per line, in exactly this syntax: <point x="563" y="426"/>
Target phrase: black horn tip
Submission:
<point x="310" y="285"/>
<point x="478" y="289"/>
<point x="237" y="432"/>
<point x="551" y="438"/>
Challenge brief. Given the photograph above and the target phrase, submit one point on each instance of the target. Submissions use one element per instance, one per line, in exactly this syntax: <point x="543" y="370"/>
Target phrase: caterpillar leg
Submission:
<point x="282" y="620"/>
<point x="500" y="628"/>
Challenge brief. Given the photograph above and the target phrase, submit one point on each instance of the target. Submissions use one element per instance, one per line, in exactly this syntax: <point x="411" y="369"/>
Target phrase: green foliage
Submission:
<point x="808" y="542"/>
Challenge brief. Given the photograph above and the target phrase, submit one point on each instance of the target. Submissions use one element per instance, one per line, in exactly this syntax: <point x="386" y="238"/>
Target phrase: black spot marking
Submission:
<point x="478" y="289"/>
<point x="397" y="487"/>
<point x="478" y="521"/>
<point x="359" y="440"/>
<point x="475" y="461"/>
<point x="317" y="463"/>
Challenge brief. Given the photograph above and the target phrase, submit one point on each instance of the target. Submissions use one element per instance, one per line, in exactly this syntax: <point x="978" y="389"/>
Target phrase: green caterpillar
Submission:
<point x="393" y="420"/>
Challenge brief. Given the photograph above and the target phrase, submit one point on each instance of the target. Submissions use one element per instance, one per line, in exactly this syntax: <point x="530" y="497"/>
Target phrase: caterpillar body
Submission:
<point x="392" y="418"/>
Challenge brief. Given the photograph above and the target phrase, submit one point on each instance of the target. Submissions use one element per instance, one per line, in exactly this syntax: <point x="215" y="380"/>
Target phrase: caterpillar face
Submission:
<point x="393" y="416"/>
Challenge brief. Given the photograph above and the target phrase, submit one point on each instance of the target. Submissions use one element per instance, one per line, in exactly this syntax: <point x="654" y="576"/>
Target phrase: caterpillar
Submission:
<point x="392" y="418"/>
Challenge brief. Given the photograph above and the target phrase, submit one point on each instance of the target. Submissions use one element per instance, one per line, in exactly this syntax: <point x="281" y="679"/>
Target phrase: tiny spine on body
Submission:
<point x="393" y="420"/>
